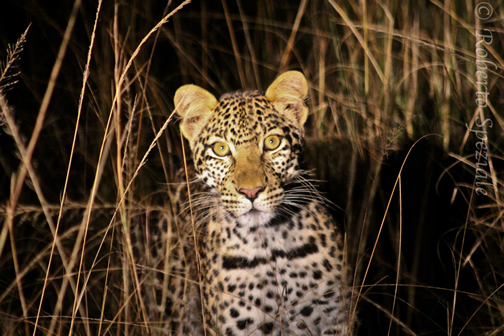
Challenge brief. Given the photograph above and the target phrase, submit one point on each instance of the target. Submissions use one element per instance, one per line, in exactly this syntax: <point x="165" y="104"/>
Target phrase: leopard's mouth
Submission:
<point x="253" y="212"/>
<point x="255" y="217"/>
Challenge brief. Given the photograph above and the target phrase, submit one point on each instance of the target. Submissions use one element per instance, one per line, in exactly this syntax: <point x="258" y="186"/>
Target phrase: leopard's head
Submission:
<point x="246" y="147"/>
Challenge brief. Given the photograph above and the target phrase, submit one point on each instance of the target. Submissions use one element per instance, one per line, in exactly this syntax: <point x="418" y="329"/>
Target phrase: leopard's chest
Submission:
<point x="270" y="276"/>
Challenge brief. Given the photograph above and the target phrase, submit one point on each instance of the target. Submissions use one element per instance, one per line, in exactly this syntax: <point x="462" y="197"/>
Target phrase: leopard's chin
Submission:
<point x="255" y="217"/>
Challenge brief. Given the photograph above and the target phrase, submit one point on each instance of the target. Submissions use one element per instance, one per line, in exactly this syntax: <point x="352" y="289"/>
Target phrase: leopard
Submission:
<point x="270" y="258"/>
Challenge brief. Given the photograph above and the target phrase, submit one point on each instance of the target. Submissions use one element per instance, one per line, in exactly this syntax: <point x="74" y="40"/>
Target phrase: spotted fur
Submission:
<point x="272" y="256"/>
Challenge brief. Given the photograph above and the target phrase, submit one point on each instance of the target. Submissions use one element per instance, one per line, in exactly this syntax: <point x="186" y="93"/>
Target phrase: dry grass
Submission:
<point x="88" y="152"/>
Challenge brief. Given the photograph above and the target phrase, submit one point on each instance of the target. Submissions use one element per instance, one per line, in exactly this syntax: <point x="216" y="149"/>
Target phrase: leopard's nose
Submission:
<point x="251" y="194"/>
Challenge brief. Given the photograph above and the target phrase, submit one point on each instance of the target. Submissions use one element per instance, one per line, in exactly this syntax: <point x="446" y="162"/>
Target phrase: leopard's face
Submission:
<point x="246" y="147"/>
<point x="247" y="153"/>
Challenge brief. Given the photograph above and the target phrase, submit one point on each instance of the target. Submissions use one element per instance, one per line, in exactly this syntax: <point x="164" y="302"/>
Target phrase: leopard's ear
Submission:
<point x="288" y="94"/>
<point x="195" y="105"/>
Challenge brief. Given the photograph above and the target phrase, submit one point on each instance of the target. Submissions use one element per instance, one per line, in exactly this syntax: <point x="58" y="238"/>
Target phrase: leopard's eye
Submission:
<point x="272" y="142"/>
<point x="221" y="148"/>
